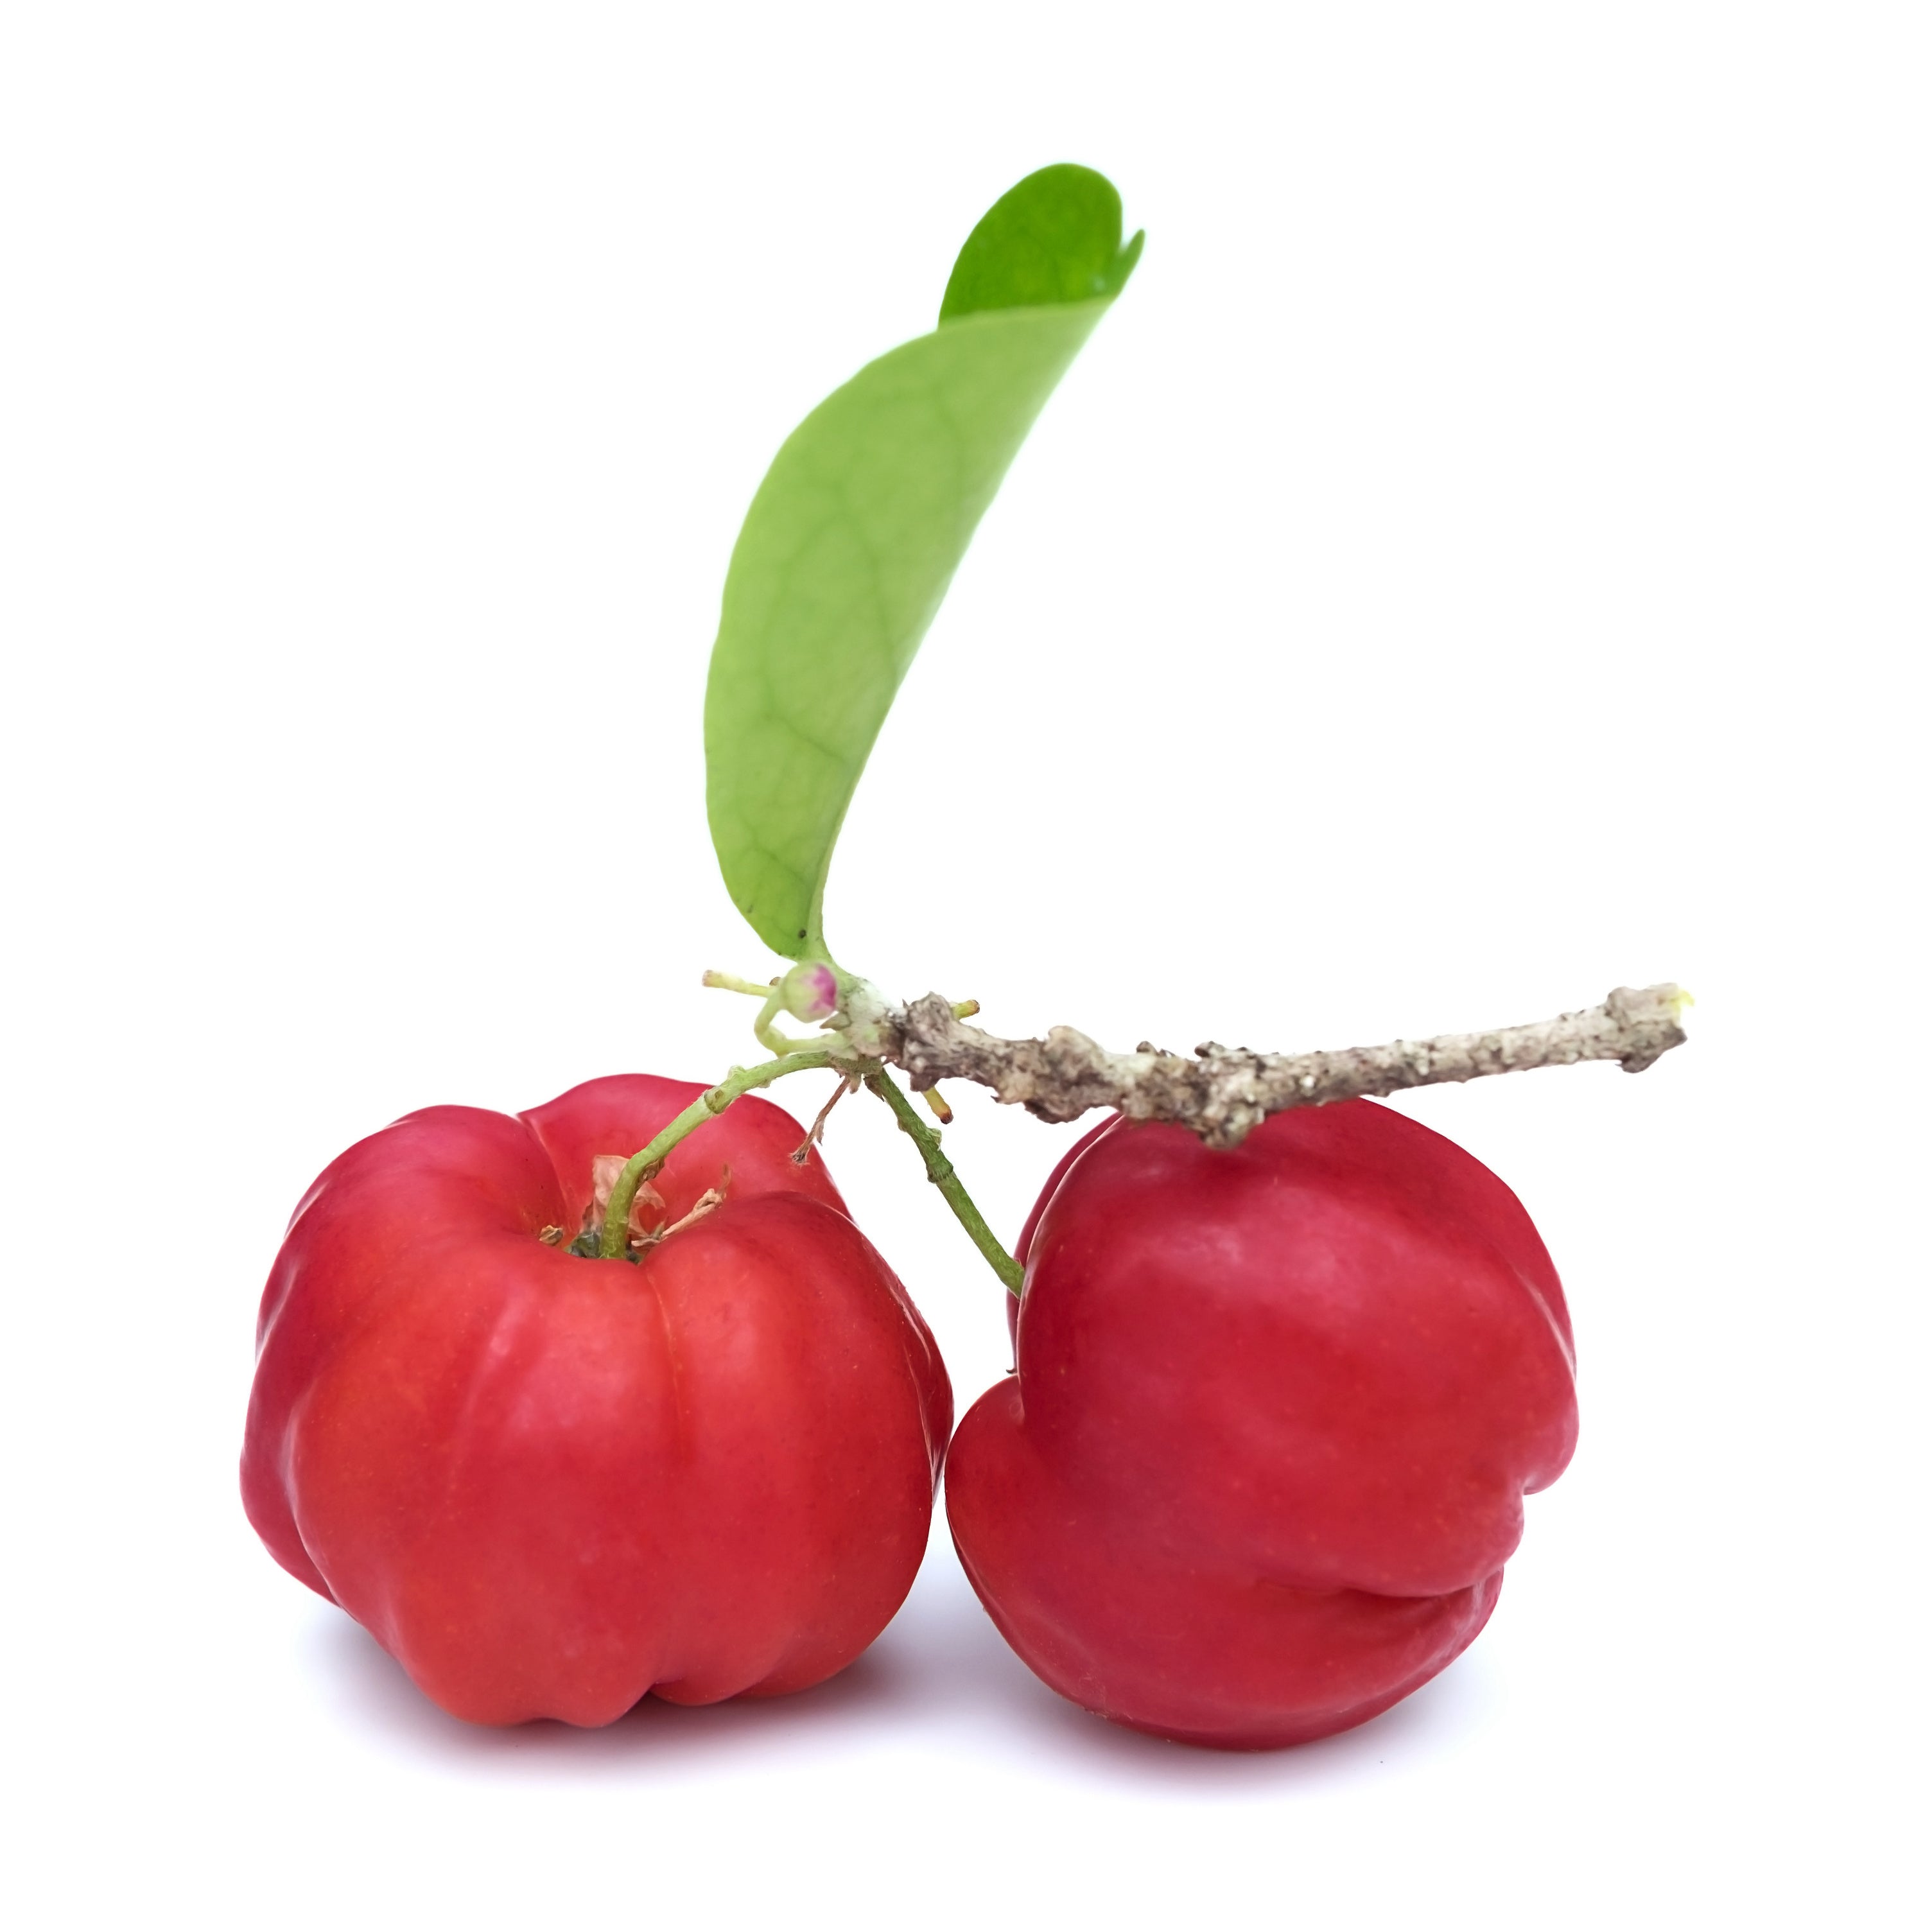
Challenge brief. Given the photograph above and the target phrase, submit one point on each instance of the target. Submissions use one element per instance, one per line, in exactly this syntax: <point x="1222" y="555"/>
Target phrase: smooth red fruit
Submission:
<point x="549" y="1485"/>
<point x="1275" y="1413"/>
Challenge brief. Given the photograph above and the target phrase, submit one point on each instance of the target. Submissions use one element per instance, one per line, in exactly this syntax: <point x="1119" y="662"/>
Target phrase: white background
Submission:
<point x="1481" y="561"/>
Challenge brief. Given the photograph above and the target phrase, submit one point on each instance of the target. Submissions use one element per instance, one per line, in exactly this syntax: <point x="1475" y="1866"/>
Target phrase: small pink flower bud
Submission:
<point x="810" y="991"/>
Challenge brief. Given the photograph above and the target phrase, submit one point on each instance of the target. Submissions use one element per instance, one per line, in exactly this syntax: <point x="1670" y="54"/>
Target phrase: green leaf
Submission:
<point x="854" y="534"/>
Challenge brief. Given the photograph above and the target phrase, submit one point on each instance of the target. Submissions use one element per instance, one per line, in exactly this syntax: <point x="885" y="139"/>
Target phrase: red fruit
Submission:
<point x="1275" y="1414"/>
<point x="549" y="1485"/>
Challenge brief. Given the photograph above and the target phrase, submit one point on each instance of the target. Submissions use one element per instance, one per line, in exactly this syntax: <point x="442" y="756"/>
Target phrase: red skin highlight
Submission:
<point x="1275" y="1413"/>
<point x="550" y="1485"/>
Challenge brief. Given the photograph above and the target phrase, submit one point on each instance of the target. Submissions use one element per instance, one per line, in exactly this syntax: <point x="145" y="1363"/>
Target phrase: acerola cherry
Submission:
<point x="549" y="1484"/>
<point x="1275" y="1413"/>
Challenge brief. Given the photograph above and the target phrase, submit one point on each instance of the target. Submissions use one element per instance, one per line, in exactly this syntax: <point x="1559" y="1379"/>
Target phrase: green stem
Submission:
<point x="731" y="982"/>
<point x="939" y="1171"/>
<point x="713" y="1101"/>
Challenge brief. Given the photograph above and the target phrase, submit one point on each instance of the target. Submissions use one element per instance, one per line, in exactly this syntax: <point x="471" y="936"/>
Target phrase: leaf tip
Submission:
<point x="1053" y="237"/>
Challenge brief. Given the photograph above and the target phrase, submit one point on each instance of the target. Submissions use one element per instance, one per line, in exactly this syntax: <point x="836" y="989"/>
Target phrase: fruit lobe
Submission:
<point x="549" y="1485"/>
<point x="1275" y="1412"/>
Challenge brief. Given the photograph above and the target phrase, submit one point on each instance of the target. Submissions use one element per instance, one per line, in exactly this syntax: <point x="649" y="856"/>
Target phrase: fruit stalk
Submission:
<point x="939" y="1171"/>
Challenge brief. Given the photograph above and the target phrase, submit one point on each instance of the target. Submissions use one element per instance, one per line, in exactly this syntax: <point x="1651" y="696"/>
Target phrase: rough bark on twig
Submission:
<point x="1227" y="1091"/>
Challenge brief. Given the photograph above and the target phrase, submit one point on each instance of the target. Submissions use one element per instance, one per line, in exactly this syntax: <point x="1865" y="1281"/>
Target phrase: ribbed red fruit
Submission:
<point x="548" y="1484"/>
<point x="1275" y="1414"/>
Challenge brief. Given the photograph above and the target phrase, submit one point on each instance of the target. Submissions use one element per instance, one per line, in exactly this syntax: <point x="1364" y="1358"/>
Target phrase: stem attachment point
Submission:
<point x="650" y="1158"/>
